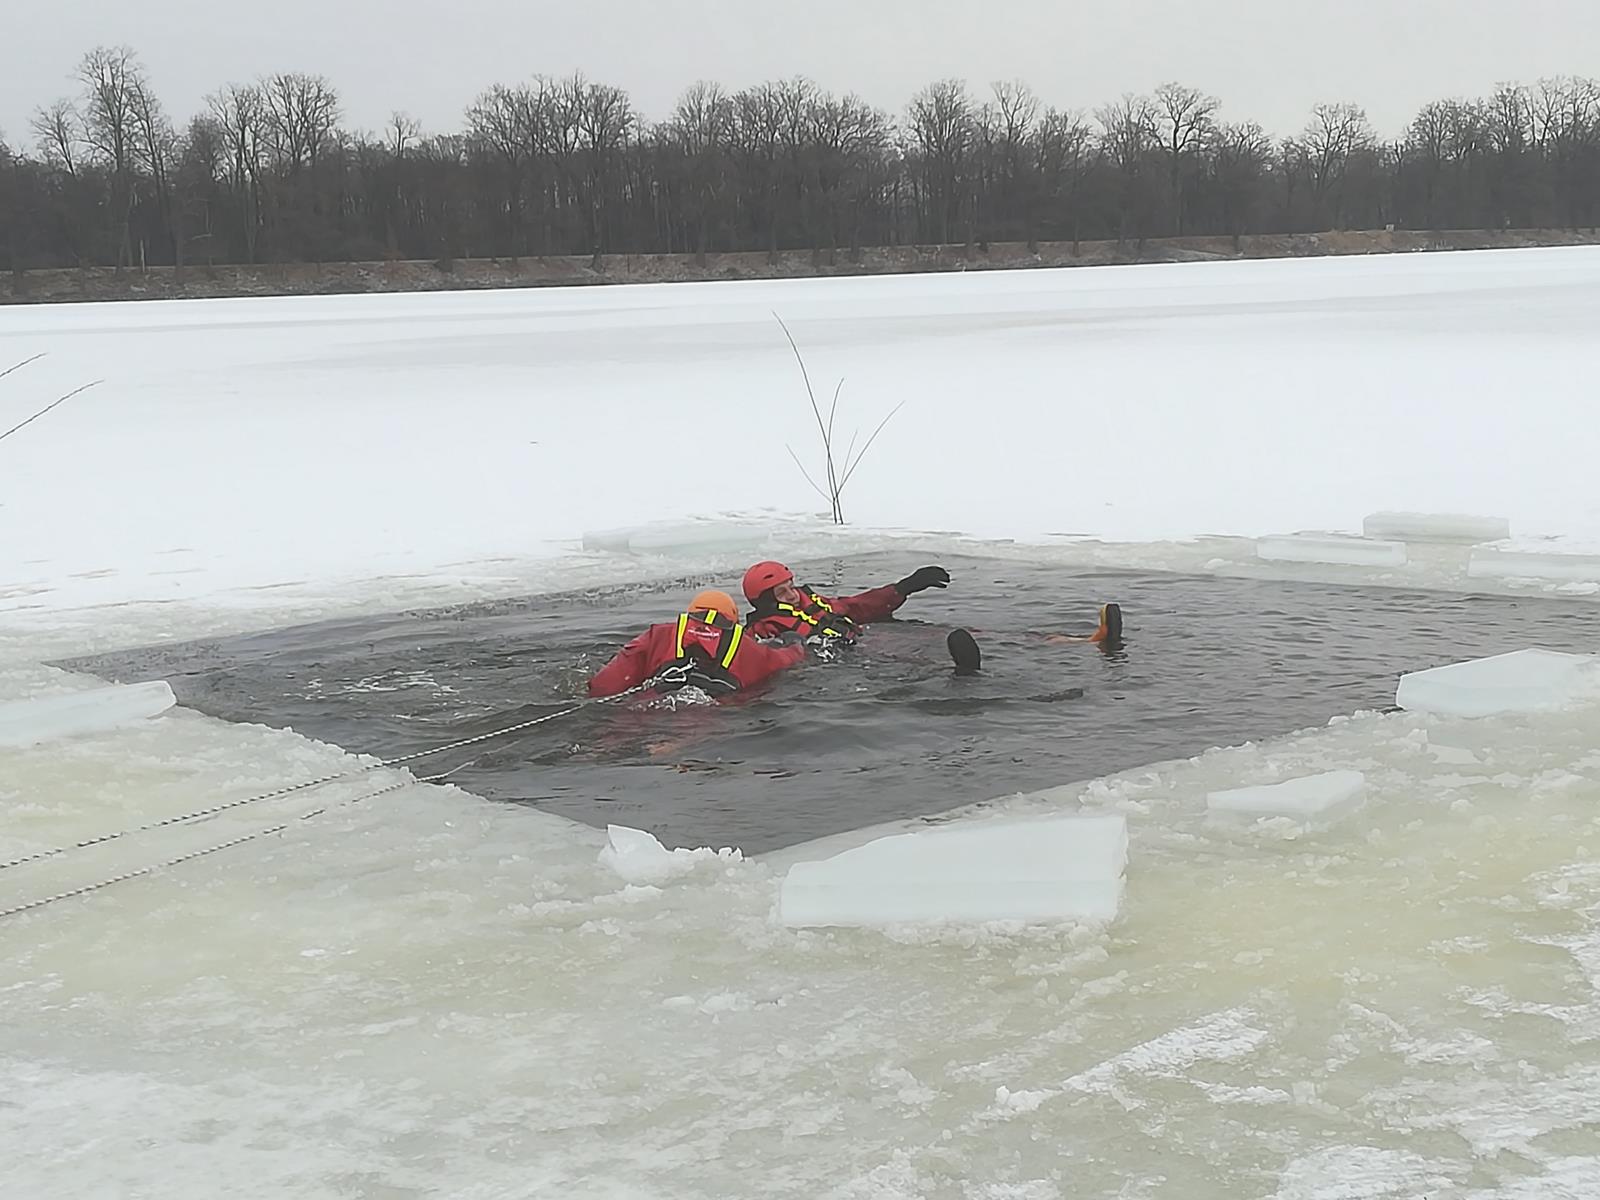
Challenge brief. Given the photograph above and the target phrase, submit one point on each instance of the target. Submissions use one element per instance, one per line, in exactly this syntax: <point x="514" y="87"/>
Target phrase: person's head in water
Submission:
<point x="964" y="652"/>
<point x="720" y="603"/>
<point x="771" y="579"/>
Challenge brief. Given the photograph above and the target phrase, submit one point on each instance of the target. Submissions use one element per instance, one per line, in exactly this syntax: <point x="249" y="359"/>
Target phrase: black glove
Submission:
<point x="922" y="579"/>
<point x="787" y="638"/>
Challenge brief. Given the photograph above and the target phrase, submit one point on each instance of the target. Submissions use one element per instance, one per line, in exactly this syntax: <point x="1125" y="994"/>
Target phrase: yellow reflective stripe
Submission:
<point x="683" y="624"/>
<point x="733" y="646"/>
<point x="817" y="620"/>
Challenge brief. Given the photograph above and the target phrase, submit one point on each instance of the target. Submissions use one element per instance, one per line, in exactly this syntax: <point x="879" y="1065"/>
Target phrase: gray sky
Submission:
<point x="1269" y="60"/>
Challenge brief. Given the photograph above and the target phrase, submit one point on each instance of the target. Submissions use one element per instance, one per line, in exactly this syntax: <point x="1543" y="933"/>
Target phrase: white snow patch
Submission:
<point x="1222" y="1037"/>
<point x="1575" y="1178"/>
<point x="1362" y="1173"/>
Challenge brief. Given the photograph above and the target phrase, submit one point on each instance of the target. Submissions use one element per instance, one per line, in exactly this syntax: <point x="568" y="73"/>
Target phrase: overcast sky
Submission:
<point x="1269" y="60"/>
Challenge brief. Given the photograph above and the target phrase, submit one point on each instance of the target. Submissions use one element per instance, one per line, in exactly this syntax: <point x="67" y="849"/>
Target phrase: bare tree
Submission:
<point x="202" y="166"/>
<point x="1182" y="118"/>
<point x="155" y="151"/>
<point x="59" y="131"/>
<point x="1240" y="155"/>
<point x="1011" y="119"/>
<point x="943" y="128"/>
<point x="1426" y="145"/>
<point x="240" y="113"/>
<point x="603" y="118"/>
<point x="301" y="113"/>
<point x="757" y="129"/>
<point x="112" y="81"/>
<point x="702" y="129"/>
<point x="1335" y="134"/>
<point x="502" y="125"/>
<point x="401" y="131"/>
<point x="1127" y="140"/>
<point x="844" y="136"/>
<point x="1510" y="135"/>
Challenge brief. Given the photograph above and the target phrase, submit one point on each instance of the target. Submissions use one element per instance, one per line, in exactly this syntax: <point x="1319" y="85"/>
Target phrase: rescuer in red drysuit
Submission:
<point x="781" y="607"/>
<point x="705" y="647"/>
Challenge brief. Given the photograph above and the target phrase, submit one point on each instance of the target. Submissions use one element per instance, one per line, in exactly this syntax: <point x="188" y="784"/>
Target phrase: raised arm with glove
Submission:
<point x="781" y="607"/>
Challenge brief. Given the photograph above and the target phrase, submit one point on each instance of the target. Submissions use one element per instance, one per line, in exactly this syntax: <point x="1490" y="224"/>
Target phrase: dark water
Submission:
<point x="885" y="731"/>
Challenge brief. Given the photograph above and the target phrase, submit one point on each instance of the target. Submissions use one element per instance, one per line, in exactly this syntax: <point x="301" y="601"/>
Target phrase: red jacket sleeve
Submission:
<point x="755" y="664"/>
<point x="869" y="606"/>
<point x="633" y="664"/>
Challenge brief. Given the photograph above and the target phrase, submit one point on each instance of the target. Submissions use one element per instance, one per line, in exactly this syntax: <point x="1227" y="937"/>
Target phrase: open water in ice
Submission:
<point x="884" y="731"/>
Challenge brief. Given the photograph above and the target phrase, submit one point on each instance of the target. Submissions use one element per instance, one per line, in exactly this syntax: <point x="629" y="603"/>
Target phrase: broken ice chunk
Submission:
<point x="1522" y="681"/>
<point x="1308" y="796"/>
<point x="1033" y="869"/>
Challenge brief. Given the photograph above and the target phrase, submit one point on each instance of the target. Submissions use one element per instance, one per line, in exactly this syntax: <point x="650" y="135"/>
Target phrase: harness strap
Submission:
<point x="816" y="615"/>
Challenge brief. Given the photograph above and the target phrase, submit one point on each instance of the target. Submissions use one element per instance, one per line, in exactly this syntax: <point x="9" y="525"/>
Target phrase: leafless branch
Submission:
<point x="53" y="404"/>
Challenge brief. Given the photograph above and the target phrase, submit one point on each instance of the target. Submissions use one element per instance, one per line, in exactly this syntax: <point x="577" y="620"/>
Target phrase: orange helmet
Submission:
<point x="763" y="577"/>
<point x="714" y="601"/>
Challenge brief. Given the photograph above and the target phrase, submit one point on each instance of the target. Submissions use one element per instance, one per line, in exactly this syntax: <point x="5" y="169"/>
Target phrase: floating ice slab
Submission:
<point x="677" y="537"/>
<point x="1331" y="548"/>
<point x="1032" y="869"/>
<point x="640" y="859"/>
<point x="1308" y="796"/>
<point x="1522" y="681"/>
<point x="1511" y="562"/>
<point x="1436" y="527"/>
<point x="33" y="722"/>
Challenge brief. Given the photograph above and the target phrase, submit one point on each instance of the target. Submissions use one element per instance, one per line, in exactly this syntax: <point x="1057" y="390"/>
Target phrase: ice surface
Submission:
<point x="49" y="718"/>
<point x="1309" y="795"/>
<point x="679" y="537"/>
<point x="440" y="996"/>
<point x="617" y="371"/>
<point x="640" y="859"/>
<point x="1331" y="548"/>
<point x="1030" y="869"/>
<point x="1513" y="562"/>
<point x="1435" y="527"/>
<point x="1521" y="681"/>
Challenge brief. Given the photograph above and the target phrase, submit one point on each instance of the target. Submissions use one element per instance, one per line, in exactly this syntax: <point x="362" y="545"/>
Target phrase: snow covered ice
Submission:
<point x="978" y="871"/>
<point x="1435" y="527"/>
<point x="48" y="718"/>
<point x="1537" y="559"/>
<point x="424" y="994"/>
<point x="1332" y="548"/>
<point x="1308" y="796"/>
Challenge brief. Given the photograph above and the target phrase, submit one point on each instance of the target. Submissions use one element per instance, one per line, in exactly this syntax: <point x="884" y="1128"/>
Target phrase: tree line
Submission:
<point x="268" y="172"/>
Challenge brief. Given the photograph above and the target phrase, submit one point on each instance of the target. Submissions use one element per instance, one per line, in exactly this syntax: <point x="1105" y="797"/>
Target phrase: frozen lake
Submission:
<point x="432" y="993"/>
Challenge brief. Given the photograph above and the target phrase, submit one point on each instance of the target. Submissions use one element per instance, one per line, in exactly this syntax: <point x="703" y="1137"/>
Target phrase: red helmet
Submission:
<point x="763" y="577"/>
